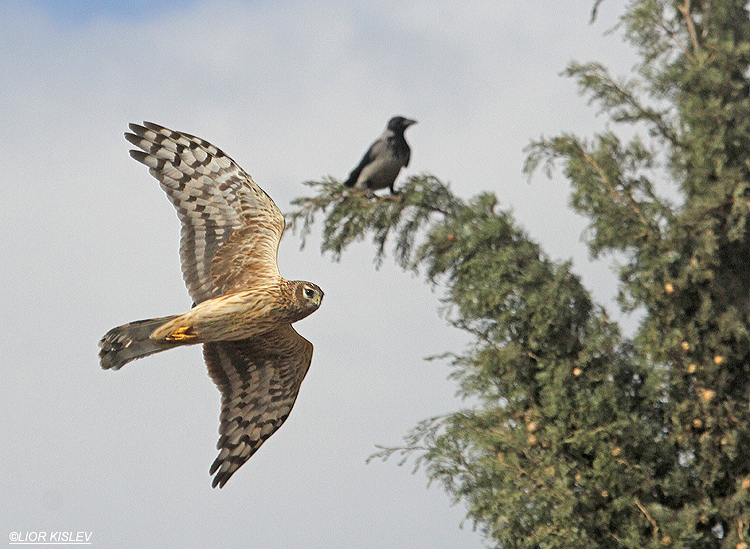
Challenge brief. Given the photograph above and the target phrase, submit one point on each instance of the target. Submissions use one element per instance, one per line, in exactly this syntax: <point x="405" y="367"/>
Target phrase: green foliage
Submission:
<point x="560" y="396"/>
<point x="580" y="437"/>
<point x="349" y="220"/>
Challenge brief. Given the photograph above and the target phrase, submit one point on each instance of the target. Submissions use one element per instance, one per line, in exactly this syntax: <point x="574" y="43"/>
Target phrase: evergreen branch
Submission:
<point x="627" y="199"/>
<point x="426" y="431"/>
<point x="675" y="38"/>
<point x="685" y="9"/>
<point x="596" y="80"/>
<point x="384" y="453"/>
<point x="742" y="527"/>
<point x="353" y="214"/>
<point x="648" y="517"/>
<point x="595" y="11"/>
<point x="520" y="471"/>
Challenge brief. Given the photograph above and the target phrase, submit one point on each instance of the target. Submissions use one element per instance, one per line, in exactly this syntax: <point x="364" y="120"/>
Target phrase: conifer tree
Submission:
<point x="582" y="437"/>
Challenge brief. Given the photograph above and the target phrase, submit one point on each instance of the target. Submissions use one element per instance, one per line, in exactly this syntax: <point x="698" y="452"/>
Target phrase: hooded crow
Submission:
<point x="384" y="159"/>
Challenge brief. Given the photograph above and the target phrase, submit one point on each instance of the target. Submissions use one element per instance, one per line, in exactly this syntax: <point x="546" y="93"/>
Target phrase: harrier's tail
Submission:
<point x="130" y="341"/>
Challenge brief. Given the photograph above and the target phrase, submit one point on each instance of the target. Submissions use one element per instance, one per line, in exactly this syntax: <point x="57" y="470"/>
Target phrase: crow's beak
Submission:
<point x="409" y="122"/>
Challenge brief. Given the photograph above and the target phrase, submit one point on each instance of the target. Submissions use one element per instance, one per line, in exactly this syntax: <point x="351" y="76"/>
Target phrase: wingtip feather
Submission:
<point x="133" y="138"/>
<point x="158" y="128"/>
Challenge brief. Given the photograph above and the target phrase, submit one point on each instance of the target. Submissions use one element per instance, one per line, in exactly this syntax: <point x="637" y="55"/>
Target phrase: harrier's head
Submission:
<point x="307" y="298"/>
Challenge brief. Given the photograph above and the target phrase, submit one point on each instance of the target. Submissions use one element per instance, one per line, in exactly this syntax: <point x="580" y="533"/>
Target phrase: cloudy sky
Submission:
<point x="293" y="91"/>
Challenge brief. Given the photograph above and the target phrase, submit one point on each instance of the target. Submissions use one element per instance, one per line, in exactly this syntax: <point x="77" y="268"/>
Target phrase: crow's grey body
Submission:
<point x="384" y="159"/>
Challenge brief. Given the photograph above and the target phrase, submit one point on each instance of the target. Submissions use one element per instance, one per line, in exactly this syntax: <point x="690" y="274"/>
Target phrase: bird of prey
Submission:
<point x="243" y="309"/>
<point x="381" y="163"/>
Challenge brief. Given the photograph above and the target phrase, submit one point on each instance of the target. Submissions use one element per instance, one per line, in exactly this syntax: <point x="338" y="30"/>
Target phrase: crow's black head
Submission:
<point x="399" y="123"/>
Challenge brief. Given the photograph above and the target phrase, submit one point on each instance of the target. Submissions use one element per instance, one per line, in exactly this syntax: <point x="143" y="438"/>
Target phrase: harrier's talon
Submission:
<point x="181" y="334"/>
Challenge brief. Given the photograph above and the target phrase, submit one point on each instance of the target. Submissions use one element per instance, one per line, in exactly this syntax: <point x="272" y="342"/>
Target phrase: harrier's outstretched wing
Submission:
<point x="230" y="227"/>
<point x="259" y="379"/>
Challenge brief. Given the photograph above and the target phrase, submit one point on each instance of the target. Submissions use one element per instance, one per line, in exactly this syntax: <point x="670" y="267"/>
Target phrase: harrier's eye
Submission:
<point x="309" y="293"/>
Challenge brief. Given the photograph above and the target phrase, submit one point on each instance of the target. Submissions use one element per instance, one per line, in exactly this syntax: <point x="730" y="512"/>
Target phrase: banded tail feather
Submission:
<point x="130" y="341"/>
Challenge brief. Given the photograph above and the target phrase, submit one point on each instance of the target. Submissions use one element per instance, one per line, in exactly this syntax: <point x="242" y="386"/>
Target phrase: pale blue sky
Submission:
<point x="124" y="10"/>
<point x="293" y="91"/>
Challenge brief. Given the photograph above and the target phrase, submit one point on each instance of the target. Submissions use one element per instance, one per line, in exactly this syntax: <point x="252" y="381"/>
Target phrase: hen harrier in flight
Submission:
<point x="244" y="309"/>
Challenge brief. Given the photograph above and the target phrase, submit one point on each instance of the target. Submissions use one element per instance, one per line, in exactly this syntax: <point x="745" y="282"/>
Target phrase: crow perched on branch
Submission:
<point x="384" y="159"/>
